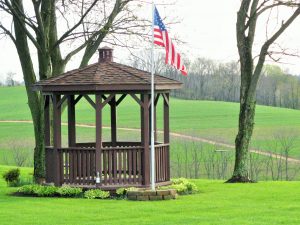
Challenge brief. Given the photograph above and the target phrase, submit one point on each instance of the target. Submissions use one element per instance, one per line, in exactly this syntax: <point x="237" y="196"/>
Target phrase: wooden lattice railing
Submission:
<point x="162" y="164"/>
<point x="120" y="165"/>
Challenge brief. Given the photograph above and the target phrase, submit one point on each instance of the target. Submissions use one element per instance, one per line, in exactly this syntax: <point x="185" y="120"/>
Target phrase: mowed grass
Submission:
<point x="216" y="203"/>
<point x="212" y="120"/>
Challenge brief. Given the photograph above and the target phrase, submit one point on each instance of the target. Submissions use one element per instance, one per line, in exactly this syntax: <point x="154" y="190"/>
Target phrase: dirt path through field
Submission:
<point x="183" y="136"/>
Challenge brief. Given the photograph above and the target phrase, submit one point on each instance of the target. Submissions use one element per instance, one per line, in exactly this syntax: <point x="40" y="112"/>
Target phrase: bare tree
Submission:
<point x="196" y="148"/>
<point x="287" y="143"/>
<point x="20" y="156"/>
<point x="10" y="79"/>
<point x="57" y="27"/>
<point x="247" y="17"/>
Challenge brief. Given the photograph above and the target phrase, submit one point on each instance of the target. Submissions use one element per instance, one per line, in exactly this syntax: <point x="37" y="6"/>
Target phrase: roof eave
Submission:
<point x="94" y="88"/>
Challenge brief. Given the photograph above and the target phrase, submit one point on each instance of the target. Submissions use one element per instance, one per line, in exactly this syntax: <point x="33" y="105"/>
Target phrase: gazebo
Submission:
<point x="113" y="164"/>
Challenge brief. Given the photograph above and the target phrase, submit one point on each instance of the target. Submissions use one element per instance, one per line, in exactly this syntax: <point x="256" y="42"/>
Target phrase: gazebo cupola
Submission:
<point x="112" y="164"/>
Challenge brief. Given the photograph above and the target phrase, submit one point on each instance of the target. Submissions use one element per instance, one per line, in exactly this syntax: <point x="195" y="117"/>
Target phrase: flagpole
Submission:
<point x="152" y="107"/>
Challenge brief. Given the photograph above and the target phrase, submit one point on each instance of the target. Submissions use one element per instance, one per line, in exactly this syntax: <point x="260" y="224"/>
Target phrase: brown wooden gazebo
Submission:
<point x="116" y="163"/>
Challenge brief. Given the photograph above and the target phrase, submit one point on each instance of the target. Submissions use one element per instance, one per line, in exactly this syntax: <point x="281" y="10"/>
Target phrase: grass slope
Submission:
<point x="217" y="203"/>
<point x="212" y="120"/>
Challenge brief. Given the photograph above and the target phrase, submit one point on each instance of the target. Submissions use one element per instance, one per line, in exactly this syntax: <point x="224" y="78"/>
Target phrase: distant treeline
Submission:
<point x="211" y="80"/>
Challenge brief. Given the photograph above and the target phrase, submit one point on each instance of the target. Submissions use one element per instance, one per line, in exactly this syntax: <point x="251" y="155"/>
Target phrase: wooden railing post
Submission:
<point x="71" y="121"/>
<point x="98" y="135"/>
<point x="166" y="119"/>
<point x="47" y="119"/>
<point x="167" y="133"/>
<point x="48" y="152"/>
<point x="145" y="139"/>
<point x="113" y="121"/>
<point x="56" y="140"/>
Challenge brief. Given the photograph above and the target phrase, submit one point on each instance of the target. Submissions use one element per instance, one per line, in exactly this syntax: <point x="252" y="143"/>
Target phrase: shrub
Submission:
<point x="12" y="177"/>
<point x="96" y="193"/>
<point x="131" y="189"/>
<point x="46" y="191"/>
<point x="38" y="190"/>
<point x="28" y="189"/>
<point x="67" y="191"/>
<point x="183" y="186"/>
<point x="180" y="180"/>
<point x="121" y="192"/>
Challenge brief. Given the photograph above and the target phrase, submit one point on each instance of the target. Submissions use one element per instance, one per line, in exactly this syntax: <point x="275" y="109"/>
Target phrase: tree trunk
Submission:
<point x="39" y="150"/>
<point x="35" y="100"/>
<point x="246" y="118"/>
<point x="246" y="124"/>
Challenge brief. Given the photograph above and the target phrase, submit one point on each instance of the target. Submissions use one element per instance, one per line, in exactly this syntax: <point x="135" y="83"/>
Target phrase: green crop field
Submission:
<point x="212" y="120"/>
<point x="206" y="119"/>
<point x="216" y="203"/>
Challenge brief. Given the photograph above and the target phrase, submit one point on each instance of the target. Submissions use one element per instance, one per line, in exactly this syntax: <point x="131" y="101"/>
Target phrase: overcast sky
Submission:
<point x="207" y="27"/>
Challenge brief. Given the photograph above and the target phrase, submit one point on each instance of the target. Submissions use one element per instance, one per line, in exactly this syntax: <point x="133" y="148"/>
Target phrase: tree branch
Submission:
<point x="266" y="45"/>
<point x="76" y="25"/>
<point x="95" y="40"/>
<point x="7" y="32"/>
<point x="21" y="19"/>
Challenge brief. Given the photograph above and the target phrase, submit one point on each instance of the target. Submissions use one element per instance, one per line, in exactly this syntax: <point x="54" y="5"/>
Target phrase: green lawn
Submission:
<point x="217" y="203"/>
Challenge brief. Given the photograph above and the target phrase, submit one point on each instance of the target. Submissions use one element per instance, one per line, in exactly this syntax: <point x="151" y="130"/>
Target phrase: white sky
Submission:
<point x="207" y="27"/>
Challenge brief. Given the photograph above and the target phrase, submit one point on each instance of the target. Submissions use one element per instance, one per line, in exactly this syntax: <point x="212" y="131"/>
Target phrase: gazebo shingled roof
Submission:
<point x="106" y="75"/>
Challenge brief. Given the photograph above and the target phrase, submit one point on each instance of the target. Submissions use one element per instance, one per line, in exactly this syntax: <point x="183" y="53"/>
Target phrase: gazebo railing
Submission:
<point x="162" y="166"/>
<point x="120" y="165"/>
<point x="77" y="165"/>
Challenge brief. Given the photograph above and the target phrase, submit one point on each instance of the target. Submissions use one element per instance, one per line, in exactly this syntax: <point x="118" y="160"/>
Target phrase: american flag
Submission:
<point x="162" y="38"/>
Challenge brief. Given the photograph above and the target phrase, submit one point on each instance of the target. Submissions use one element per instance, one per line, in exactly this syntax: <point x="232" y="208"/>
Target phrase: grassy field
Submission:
<point x="217" y="203"/>
<point x="212" y="120"/>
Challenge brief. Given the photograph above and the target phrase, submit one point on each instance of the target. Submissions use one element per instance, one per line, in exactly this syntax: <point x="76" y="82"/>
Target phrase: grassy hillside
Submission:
<point x="217" y="203"/>
<point x="212" y="120"/>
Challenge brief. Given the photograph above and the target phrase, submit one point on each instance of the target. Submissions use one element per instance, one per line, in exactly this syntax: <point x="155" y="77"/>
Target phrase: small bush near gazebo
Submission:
<point x="182" y="186"/>
<point x="49" y="191"/>
<point x="96" y="193"/>
<point x="121" y="193"/>
<point x="71" y="192"/>
<point x="35" y="190"/>
<point x="12" y="177"/>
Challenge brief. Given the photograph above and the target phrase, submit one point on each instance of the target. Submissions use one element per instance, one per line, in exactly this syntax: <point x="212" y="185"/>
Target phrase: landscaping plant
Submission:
<point x="12" y="177"/>
<point x="96" y="193"/>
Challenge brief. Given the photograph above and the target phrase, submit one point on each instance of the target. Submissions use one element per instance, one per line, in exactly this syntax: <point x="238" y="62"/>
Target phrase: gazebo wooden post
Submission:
<point x="56" y="139"/>
<point x="98" y="135"/>
<point x="167" y="132"/>
<point x="47" y="120"/>
<point x="48" y="152"/>
<point x="145" y="139"/>
<point x="71" y="121"/>
<point x="113" y="121"/>
<point x="166" y="119"/>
